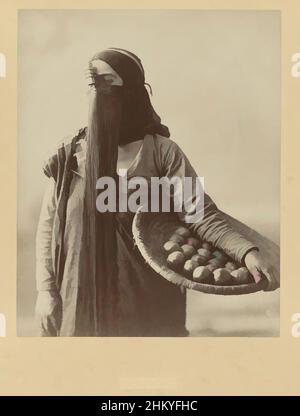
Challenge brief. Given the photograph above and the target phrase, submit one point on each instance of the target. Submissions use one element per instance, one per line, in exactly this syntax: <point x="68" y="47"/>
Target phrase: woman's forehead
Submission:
<point x="102" y="67"/>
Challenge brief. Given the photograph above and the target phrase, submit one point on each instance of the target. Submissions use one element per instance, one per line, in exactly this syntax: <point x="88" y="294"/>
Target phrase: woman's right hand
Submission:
<point x="48" y="312"/>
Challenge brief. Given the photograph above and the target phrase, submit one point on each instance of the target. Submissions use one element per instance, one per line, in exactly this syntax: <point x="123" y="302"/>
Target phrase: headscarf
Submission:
<point x="118" y="115"/>
<point x="140" y="117"/>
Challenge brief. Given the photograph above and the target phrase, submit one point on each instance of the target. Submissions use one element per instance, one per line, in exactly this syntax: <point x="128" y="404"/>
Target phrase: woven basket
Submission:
<point x="152" y="230"/>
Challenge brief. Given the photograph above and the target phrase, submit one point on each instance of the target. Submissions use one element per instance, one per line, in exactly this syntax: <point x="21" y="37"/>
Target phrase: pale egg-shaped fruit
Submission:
<point x="202" y="261"/>
<point x="170" y="247"/>
<point x="196" y="258"/>
<point x="222" y="276"/>
<point x="176" y="238"/>
<point x="242" y="276"/>
<point x="190" y="266"/>
<point x="176" y="259"/>
<point x="183" y="231"/>
<point x="230" y="266"/>
<point x="204" y="253"/>
<point x="202" y="274"/>
<point x="188" y="250"/>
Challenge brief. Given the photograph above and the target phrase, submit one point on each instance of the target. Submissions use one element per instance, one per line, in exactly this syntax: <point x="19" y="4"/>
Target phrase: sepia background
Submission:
<point x="215" y="77"/>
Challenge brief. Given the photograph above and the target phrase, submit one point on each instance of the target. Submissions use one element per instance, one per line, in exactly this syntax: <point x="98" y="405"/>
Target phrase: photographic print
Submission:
<point x="148" y="173"/>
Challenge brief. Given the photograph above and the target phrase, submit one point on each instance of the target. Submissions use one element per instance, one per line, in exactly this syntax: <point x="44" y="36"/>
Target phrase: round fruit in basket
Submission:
<point x="183" y="232"/>
<point x="170" y="247"/>
<point x="189" y="267"/>
<point x="176" y="238"/>
<point x="242" y="276"/>
<point x="207" y="246"/>
<point x="175" y="260"/>
<point x="222" y="277"/>
<point x="202" y="274"/>
<point x="203" y="252"/>
<point x="198" y="259"/>
<point x="188" y="250"/>
<point x="230" y="266"/>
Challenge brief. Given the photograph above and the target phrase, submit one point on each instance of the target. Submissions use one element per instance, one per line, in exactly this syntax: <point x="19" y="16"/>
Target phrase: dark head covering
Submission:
<point x="125" y="63"/>
<point x="140" y="116"/>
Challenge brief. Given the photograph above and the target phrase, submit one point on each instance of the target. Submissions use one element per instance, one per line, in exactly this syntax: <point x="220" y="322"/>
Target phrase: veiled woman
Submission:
<point x="91" y="278"/>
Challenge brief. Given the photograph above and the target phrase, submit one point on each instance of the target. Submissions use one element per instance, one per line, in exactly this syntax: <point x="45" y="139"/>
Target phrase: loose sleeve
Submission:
<point x="213" y="227"/>
<point x="45" y="278"/>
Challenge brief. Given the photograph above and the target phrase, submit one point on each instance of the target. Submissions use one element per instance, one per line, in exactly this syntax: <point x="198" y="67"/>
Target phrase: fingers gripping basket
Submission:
<point x="152" y="230"/>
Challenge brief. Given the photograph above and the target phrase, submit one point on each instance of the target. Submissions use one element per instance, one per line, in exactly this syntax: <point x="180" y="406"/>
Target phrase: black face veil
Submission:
<point x="118" y="115"/>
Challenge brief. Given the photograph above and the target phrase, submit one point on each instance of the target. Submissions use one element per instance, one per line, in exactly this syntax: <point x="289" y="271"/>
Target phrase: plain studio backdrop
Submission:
<point x="215" y="77"/>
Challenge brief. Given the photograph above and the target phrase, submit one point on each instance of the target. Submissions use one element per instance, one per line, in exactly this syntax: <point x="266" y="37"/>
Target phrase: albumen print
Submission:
<point x="148" y="173"/>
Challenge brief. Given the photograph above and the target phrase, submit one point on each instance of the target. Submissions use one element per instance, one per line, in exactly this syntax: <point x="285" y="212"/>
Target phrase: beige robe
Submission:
<point x="149" y="305"/>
